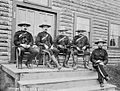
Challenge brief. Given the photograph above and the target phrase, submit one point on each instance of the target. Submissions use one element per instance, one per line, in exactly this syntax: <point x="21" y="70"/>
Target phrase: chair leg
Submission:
<point x="36" y="61"/>
<point x="16" y="60"/>
<point x="43" y="59"/>
<point x="18" y="64"/>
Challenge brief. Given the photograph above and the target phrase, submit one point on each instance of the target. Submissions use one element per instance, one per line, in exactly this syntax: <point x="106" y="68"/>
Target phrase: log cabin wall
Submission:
<point x="5" y="30"/>
<point x="100" y="12"/>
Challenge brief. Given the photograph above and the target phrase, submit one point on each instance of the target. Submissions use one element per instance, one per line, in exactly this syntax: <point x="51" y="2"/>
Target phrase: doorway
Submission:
<point x="35" y="18"/>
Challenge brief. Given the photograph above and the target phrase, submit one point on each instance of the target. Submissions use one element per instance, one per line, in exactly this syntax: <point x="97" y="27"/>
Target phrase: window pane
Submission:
<point x="83" y="24"/>
<point x="114" y="35"/>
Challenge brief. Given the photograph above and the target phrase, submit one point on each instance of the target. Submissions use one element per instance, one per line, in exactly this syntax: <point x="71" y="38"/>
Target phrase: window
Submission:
<point x="83" y="24"/>
<point x="114" y="40"/>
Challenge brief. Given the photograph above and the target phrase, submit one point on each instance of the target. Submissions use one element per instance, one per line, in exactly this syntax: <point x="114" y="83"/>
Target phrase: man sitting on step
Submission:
<point x="99" y="58"/>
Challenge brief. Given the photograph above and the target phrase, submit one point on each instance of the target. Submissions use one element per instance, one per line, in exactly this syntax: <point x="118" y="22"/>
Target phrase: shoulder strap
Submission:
<point x="79" y="38"/>
<point x="62" y="39"/>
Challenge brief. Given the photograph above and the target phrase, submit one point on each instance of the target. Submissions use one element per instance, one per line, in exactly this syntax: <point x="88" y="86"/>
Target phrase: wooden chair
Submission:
<point x="25" y="56"/>
<point x="45" y="54"/>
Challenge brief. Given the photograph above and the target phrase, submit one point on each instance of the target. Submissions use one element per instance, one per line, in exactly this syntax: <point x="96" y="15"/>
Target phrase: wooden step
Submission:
<point x="107" y="87"/>
<point x="56" y="83"/>
<point x="57" y="74"/>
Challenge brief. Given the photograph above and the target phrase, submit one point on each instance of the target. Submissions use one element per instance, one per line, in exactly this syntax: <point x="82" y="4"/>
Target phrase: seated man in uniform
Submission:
<point x="44" y="41"/>
<point x="99" y="58"/>
<point x="81" y="46"/>
<point x="62" y="43"/>
<point x="24" y="41"/>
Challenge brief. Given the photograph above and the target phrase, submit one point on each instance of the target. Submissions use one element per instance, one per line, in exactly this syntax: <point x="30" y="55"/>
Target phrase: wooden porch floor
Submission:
<point x="12" y="68"/>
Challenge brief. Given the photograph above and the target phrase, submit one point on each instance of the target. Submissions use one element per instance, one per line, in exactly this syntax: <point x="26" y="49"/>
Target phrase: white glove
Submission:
<point x="46" y="47"/>
<point x="24" y="45"/>
<point x="78" y="48"/>
<point x="84" y="48"/>
<point x="34" y="46"/>
<point x="98" y="61"/>
<point x="52" y="47"/>
<point x="60" y="46"/>
<point x="101" y="63"/>
<point x="28" y="46"/>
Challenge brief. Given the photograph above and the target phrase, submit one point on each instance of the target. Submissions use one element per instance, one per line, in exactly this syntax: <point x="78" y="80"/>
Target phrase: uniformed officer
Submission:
<point x="81" y="46"/>
<point x="99" y="58"/>
<point x="62" y="43"/>
<point x="44" y="41"/>
<point x="24" y="42"/>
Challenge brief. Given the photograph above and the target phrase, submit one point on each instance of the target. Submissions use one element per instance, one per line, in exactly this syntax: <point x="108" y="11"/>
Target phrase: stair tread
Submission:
<point x="55" y="80"/>
<point x="89" y="88"/>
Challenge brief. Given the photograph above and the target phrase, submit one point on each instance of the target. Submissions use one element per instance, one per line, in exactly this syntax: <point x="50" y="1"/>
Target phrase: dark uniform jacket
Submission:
<point x="44" y="38"/>
<point x="62" y="40"/>
<point x="99" y="54"/>
<point x="23" y="37"/>
<point x="81" y="41"/>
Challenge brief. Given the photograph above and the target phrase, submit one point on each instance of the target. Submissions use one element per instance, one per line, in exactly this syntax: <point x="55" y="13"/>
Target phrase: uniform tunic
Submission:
<point x="44" y="38"/>
<point x="64" y="41"/>
<point x="99" y="54"/>
<point x="24" y="37"/>
<point x="80" y="41"/>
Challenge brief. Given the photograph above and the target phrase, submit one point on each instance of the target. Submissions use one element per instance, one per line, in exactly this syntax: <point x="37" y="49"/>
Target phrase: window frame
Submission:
<point x="90" y="25"/>
<point x="49" y="5"/>
<point x="116" y="23"/>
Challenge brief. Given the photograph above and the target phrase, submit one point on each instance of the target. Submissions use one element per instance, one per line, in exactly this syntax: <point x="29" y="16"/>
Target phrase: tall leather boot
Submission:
<point x="49" y="65"/>
<point x="19" y="62"/>
<point x="74" y="65"/>
<point x="48" y="62"/>
<point x="86" y="63"/>
<point x="65" y="63"/>
<point x="56" y="62"/>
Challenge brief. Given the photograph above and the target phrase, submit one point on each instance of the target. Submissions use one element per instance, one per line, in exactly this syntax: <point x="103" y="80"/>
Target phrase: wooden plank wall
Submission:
<point x="5" y="29"/>
<point x="101" y="13"/>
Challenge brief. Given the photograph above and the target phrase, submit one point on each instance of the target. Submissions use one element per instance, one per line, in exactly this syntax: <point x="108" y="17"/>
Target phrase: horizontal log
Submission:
<point x="103" y="22"/>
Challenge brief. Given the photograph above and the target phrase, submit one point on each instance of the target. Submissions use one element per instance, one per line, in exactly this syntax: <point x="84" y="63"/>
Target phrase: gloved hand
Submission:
<point x="84" y="48"/>
<point x="98" y="61"/>
<point x="51" y="47"/>
<point x="24" y="45"/>
<point x="78" y="48"/>
<point x="28" y="46"/>
<point x="46" y="47"/>
<point x="61" y="46"/>
<point x="101" y="63"/>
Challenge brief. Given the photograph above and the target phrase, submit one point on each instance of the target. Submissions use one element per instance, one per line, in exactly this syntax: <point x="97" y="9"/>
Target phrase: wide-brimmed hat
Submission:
<point x="100" y="41"/>
<point x="24" y="23"/>
<point x="80" y="31"/>
<point x="44" y="24"/>
<point x="68" y="32"/>
<point x="62" y="30"/>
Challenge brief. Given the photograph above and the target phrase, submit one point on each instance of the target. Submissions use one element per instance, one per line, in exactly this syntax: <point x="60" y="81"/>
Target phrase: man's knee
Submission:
<point x="68" y="52"/>
<point x="21" y="49"/>
<point x="86" y="57"/>
<point x="35" y="50"/>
